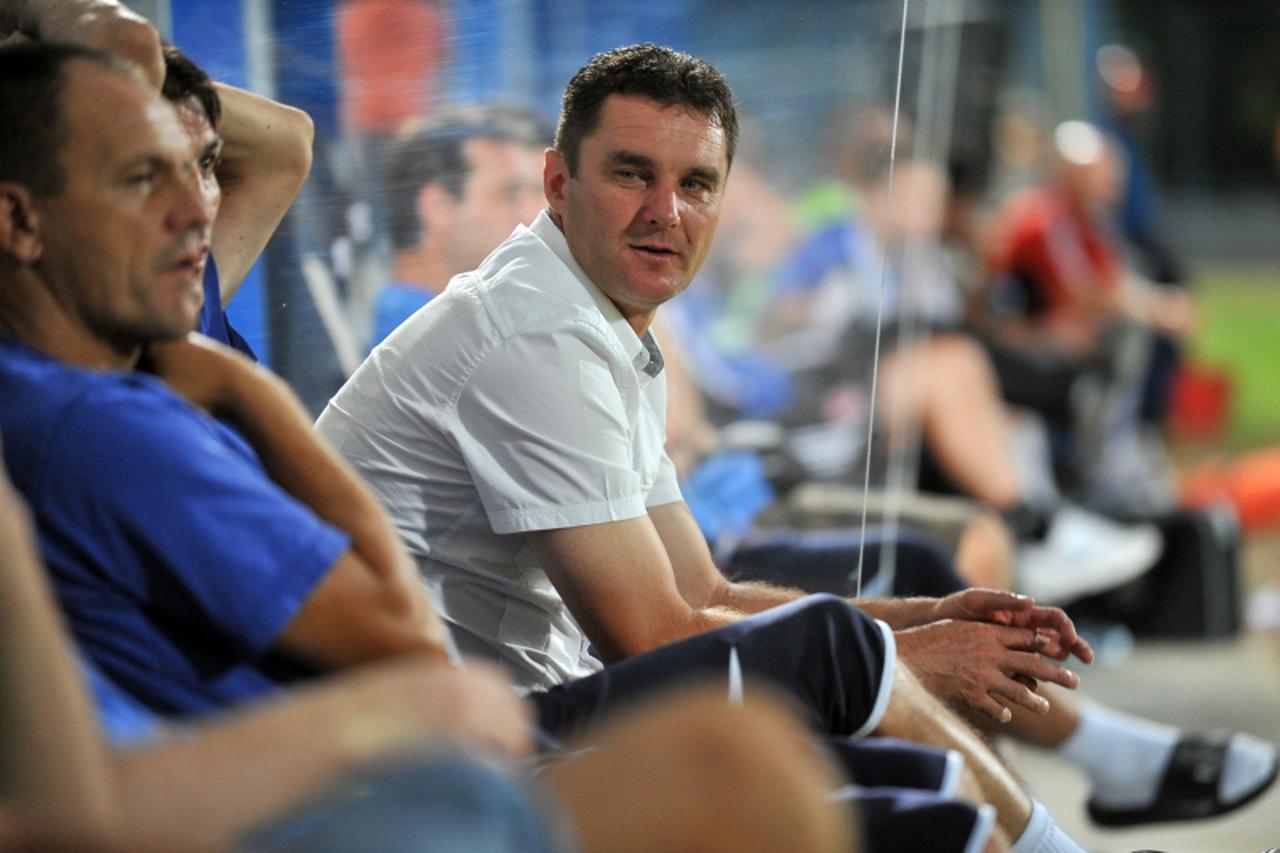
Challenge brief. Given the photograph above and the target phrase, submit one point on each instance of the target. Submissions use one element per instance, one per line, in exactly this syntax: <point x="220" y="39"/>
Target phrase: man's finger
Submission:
<point x="1018" y="694"/>
<point x="1039" y="668"/>
<point x="988" y="600"/>
<point x="1026" y="681"/>
<point x="984" y="703"/>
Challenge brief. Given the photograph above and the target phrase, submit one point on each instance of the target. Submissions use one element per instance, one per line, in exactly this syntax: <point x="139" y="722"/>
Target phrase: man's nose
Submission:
<point x="662" y="206"/>
<point x="191" y="207"/>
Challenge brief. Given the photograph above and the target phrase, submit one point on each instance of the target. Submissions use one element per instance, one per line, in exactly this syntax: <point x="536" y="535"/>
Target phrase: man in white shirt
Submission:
<point x="514" y="430"/>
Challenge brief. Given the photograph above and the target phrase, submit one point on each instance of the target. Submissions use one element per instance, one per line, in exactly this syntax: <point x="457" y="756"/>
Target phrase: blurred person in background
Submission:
<point x="808" y="327"/>
<point x="1072" y="329"/>
<point x="455" y="187"/>
<point x="391" y="57"/>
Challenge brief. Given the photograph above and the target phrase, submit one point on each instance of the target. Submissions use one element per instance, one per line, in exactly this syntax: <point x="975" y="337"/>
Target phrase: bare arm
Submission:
<point x="229" y="774"/>
<point x="103" y="25"/>
<point x="266" y="157"/>
<point x="618" y="581"/>
<point x="222" y="777"/>
<point x="53" y="766"/>
<point x="371" y="604"/>
<point x="637" y="584"/>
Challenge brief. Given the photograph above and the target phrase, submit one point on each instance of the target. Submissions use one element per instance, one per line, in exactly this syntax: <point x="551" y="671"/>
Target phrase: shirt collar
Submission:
<point x="644" y="353"/>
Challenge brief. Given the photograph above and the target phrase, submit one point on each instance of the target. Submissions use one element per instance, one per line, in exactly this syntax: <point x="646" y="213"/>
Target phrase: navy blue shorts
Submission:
<point x="897" y="819"/>
<point x="830" y="659"/>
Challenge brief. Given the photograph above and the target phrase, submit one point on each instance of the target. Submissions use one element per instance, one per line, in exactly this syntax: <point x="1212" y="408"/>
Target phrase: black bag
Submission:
<point x="1192" y="592"/>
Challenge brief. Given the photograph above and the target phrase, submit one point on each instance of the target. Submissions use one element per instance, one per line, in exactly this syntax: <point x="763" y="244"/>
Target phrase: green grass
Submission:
<point x="1239" y="331"/>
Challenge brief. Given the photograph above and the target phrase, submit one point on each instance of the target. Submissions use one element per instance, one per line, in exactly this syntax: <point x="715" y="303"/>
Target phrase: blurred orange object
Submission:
<point x="1201" y="403"/>
<point x="391" y="53"/>
<point x="1251" y="483"/>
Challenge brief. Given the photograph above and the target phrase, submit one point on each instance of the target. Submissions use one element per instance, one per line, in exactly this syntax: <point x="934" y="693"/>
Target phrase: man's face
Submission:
<point x="501" y="191"/>
<point x="206" y="149"/>
<point x="124" y="244"/>
<point x="640" y="214"/>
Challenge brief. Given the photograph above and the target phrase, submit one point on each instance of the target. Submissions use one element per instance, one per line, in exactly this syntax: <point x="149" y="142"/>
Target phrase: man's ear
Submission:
<point x="435" y="207"/>
<point x="555" y="174"/>
<point x="19" y="224"/>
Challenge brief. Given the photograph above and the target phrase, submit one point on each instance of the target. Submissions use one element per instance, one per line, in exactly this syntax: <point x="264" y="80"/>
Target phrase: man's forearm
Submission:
<point x="753" y="596"/>
<point x="265" y="411"/>
<point x="103" y="25"/>
<point x="266" y="157"/>
<point x="231" y="772"/>
<point x="898" y="613"/>
<point x="53" y="766"/>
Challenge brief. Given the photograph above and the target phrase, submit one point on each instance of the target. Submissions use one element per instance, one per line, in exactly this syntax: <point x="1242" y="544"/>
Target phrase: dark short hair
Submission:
<point x="670" y="78"/>
<point x="184" y="79"/>
<point x="33" y="125"/>
<point x="433" y="153"/>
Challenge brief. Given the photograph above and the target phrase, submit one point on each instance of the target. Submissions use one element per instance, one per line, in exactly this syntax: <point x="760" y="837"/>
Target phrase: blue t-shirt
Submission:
<point x="176" y="561"/>
<point x="213" y="320"/>
<point x="396" y="303"/>
<point x="122" y="721"/>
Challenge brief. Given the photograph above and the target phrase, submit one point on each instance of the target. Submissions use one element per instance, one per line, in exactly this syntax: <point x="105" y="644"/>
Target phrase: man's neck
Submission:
<point x="424" y="267"/>
<point x="29" y="313"/>
<point x="638" y="320"/>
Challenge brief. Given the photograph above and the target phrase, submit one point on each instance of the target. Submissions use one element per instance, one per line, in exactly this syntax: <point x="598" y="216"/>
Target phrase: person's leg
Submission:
<point x="881" y="762"/>
<point x="906" y="819"/>
<point x="948" y="386"/>
<point x="914" y="714"/>
<point x="824" y="654"/>
<point x="827" y="560"/>
<point x="985" y="554"/>
<point x="833" y="660"/>
<point x="690" y="772"/>
<point x="1129" y="760"/>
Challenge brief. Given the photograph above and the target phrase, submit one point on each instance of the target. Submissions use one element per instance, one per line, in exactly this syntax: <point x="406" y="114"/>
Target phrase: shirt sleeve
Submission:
<point x="666" y="488"/>
<point x="543" y="424"/>
<point x="175" y="511"/>
<point x="121" y="720"/>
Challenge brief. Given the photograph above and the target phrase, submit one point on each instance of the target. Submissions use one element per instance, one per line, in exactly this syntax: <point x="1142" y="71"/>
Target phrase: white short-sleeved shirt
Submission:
<point x="517" y="400"/>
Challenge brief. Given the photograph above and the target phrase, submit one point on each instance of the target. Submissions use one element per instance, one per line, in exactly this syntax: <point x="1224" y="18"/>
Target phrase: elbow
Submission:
<point x="300" y="131"/>
<point x="410" y="625"/>
<point x="636" y="638"/>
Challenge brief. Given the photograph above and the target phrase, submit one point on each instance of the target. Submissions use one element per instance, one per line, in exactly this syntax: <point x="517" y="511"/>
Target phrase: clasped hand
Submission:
<point x="985" y="651"/>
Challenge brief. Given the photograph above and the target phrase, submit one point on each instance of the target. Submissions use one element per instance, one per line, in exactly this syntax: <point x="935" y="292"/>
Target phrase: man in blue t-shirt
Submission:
<point x="186" y="603"/>
<point x="72" y="773"/>
<point x="455" y="189"/>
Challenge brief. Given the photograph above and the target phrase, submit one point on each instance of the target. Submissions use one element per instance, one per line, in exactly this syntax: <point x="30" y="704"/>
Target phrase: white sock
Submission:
<point x="1125" y="758"/>
<point x="1249" y="761"/>
<point x="1043" y="835"/>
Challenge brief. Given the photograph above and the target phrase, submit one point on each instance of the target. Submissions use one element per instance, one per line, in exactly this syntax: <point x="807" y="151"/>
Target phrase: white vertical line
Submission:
<point x="735" y="677"/>
<point x="875" y="363"/>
